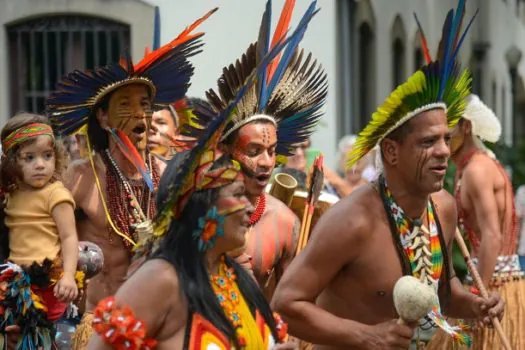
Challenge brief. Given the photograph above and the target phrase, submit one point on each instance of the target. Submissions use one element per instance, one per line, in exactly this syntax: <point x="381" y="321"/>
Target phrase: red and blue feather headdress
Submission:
<point x="166" y="72"/>
<point x="289" y="93"/>
<point x="196" y="173"/>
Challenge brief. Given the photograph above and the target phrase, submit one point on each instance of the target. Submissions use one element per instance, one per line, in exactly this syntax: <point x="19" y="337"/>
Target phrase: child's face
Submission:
<point x="36" y="161"/>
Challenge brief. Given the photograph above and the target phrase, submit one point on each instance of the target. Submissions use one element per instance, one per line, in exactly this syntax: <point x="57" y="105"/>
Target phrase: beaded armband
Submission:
<point x="118" y="327"/>
<point x="282" y="328"/>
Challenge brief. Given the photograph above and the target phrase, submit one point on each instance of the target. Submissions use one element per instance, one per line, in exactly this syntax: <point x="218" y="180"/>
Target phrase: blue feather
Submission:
<point x="447" y="29"/>
<point x="451" y="38"/>
<point x="289" y="51"/>
<point x="460" y="42"/>
<point x="262" y="50"/>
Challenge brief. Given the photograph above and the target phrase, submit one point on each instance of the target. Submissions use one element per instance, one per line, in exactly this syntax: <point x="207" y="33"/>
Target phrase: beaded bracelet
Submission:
<point x="118" y="327"/>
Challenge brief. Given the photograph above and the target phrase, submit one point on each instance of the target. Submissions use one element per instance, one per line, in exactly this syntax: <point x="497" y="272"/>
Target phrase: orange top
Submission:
<point x="33" y="234"/>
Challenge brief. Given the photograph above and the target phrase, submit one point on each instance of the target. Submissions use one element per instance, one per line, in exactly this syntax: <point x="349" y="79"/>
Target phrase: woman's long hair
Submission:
<point x="180" y="249"/>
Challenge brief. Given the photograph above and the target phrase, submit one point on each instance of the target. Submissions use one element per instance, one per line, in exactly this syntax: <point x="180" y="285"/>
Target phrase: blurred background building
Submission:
<point x="366" y="46"/>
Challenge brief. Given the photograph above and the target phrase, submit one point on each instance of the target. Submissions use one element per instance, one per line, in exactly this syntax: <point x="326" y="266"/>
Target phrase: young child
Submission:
<point x="38" y="281"/>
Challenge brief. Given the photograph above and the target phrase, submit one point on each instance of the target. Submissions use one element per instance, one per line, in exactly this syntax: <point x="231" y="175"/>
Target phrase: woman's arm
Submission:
<point x="152" y="293"/>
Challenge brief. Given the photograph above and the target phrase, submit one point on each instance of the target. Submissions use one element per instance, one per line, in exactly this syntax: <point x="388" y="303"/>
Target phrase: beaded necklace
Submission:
<point x="260" y="207"/>
<point x="227" y="293"/>
<point x="129" y="201"/>
<point x="425" y="256"/>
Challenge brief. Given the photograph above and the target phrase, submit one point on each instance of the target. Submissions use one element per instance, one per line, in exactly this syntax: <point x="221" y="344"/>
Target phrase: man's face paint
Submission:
<point x="423" y="154"/>
<point x="254" y="149"/>
<point x="130" y="111"/>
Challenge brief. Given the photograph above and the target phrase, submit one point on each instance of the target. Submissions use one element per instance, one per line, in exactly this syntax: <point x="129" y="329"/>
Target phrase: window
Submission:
<point x="398" y="63"/>
<point x="365" y="74"/>
<point x="398" y="38"/>
<point x="42" y="50"/>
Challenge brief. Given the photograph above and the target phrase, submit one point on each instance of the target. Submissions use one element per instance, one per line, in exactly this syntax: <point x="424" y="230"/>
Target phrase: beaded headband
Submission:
<point x="25" y="133"/>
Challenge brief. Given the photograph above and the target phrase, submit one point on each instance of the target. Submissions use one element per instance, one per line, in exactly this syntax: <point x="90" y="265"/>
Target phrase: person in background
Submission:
<point x="162" y="132"/>
<point x="520" y="214"/>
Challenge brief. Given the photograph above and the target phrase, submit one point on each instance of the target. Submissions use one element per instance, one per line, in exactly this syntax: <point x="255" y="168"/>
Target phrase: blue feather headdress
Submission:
<point x="290" y="93"/>
<point x="166" y="73"/>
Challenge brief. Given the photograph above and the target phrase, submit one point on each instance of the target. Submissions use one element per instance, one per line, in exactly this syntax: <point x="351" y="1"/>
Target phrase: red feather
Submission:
<point x="280" y="31"/>
<point x="424" y="44"/>
<point x="147" y="51"/>
<point x="131" y="154"/>
<point x="180" y="39"/>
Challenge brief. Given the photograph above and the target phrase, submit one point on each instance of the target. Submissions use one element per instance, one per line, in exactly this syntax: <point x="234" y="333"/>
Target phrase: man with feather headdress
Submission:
<point x="339" y="292"/>
<point x="115" y="187"/>
<point x="485" y="202"/>
<point x="278" y="113"/>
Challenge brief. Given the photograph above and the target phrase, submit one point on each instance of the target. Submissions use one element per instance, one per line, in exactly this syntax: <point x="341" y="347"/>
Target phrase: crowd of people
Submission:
<point x="147" y="215"/>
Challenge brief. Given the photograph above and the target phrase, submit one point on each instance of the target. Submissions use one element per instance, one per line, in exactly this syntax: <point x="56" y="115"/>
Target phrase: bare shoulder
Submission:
<point x="354" y="215"/>
<point x="480" y="167"/>
<point x="445" y="203"/>
<point x="446" y="210"/>
<point x="280" y="210"/>
<point x="79" y="177"/>
<point x="155" y="277"/>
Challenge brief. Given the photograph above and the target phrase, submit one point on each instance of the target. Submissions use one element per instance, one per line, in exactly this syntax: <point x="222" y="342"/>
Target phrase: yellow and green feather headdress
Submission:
<point x="439" y="84"/>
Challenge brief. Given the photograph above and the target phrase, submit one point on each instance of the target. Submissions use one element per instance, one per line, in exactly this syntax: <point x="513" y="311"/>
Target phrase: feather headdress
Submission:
<point x="485" y="124"/>
<point x="439" y="84"/>
<point x="290" y="93"/>
<point x="196" y="172"/>
<point x="166" y="72"/>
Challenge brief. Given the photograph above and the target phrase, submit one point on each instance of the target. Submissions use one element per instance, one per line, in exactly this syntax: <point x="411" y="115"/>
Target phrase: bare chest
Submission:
<point x="369" y="280"/>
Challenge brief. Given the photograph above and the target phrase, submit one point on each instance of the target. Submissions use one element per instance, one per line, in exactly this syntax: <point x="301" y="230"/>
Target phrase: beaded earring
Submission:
<point x="209" y="227"/>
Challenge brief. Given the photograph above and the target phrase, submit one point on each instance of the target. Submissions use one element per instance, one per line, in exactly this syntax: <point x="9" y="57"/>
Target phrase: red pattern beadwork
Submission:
<point x="260" y="207"/>
<point x="119" y="327"/>
<point x="119" y="200"/>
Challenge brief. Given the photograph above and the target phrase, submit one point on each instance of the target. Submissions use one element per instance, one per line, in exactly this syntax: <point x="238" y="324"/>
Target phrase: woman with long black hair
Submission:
<point x="190" y="294"/>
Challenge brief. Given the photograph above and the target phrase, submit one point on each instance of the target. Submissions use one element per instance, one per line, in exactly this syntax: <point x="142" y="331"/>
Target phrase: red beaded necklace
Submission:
<point x="260" y="207"/>
<point x="121" y="205"/>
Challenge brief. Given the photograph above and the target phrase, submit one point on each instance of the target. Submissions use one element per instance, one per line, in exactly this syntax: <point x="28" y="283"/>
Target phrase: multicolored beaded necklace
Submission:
<point x="227" y="293"/>
<point x="425" y="256"/>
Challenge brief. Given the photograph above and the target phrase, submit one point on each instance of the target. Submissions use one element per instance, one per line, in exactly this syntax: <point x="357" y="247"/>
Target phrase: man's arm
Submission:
<point x="334" y="243"/>
<point x="290" y="247"/>
<point x="479" y="188"/>
<point x="462" y="303"/>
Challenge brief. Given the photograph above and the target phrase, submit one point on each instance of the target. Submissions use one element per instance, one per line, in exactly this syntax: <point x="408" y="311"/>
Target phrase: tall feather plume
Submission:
<point x="183" y="37"/>
<point x="282" y="27"/>
<point x="295" y="102"/>
<point x="210" y="139"/>
<point x="424" y="44"/>
<point x="288" y="53"/>
<point x="263" y="46"/>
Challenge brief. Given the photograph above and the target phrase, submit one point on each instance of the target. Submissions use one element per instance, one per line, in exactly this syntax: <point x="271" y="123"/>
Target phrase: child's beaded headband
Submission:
<point x="25" y="133"/>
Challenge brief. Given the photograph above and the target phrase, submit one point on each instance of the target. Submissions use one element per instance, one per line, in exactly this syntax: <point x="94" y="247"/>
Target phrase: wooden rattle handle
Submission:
<point x="479" y="283"/>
